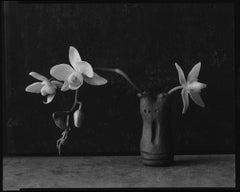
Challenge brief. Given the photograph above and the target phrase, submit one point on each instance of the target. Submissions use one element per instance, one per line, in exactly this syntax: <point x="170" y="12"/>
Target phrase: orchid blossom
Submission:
<point x="74" y="75"/>
<point x="191" y="86"/>
<point x="46" y="87"/>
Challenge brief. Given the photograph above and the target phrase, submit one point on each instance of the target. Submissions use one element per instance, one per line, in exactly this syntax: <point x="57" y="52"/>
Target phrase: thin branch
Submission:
<point x="120" y="72"/>
<point x="61" y="141"/>
<point x="52" y="78"/>
<point x="75" y="101"/>
<point x="174" y="89"/>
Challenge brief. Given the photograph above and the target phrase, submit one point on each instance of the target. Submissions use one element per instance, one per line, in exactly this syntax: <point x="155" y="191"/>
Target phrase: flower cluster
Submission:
<point x="72" y="77"/>
<point x="67" y="77"/>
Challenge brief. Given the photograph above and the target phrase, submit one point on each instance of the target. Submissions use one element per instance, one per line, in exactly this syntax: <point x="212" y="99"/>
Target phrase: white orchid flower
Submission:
<point x="191" y="86"/>
<point x="74" y="75"/>
<point x="46" y="87"/>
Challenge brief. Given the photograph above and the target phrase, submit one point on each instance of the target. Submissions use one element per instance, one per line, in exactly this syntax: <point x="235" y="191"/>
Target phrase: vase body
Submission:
<point x="156" y="146"/>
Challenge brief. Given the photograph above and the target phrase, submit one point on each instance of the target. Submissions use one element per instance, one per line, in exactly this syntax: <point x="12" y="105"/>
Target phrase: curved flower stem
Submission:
<point x="120" y="72"/>
<point x="61" y="141"/>
<point x="52" y="78"/>
<point x="174" y="89"/>
<point x="75" y="101"/>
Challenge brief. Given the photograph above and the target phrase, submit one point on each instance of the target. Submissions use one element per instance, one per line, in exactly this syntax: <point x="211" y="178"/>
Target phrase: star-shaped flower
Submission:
<point x="191" y="86"/>
<point x="74" y="75"/>
<point x="46" y="87"/>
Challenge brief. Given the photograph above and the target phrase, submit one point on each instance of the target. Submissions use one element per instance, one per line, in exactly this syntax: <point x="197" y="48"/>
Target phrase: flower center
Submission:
<point x="195" y="86"/>
<point x="75" y="80"/>
<point x="47" y="90"/>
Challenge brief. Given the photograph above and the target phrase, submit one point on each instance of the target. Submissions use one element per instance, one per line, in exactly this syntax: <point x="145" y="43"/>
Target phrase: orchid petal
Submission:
<point x="203" y="85"/>
<point x="48" y="89"/>
<point x="193" y="74"/>
<point x="65" y="86"/>
<point x="74" y="57"/>
<point x="181" y="76"/>
<point x="95" y="80"/>
<point x="196" y="86"/>
<point x="38" y="76"/>
<point x="185" y="100"/>
<point x="57" y="83"/>
<point x="34" y="88"/>
<point x="61" y="72"/>
<point x="197" y="98"/>
<point x="74" y="87"/>
<point x="85" y="68"/>
<point x="49" y="98"/>
<point x="43" y="91"/>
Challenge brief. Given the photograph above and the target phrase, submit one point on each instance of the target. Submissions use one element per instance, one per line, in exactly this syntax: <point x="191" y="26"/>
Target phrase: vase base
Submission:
<point x="150" y="159"/>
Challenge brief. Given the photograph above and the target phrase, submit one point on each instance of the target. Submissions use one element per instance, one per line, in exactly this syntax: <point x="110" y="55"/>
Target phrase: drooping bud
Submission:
<point x="61" y="119"/>
<point x="78" y="117"/>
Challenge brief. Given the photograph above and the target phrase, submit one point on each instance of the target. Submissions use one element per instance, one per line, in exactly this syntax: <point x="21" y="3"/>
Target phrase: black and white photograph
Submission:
<point x="125" y="95"/>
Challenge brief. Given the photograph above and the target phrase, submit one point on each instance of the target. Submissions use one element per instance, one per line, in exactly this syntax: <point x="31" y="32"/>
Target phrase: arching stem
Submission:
<point x="61" y="141"/>
<point x="75" y="101"/>
<point x="120" y="72"/>
<point x="174" y="89"/>
<point x="52" y="78"/>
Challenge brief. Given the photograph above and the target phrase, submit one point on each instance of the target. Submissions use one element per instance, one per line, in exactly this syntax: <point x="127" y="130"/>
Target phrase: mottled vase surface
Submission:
<point x="156" y="145"/>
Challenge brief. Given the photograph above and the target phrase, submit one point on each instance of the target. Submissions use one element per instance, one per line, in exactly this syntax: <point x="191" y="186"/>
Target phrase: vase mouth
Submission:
<point x="152" y="95"/>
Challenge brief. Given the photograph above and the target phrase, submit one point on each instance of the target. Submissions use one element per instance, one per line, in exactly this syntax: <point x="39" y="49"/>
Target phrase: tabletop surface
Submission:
<point x="117" y="172"/>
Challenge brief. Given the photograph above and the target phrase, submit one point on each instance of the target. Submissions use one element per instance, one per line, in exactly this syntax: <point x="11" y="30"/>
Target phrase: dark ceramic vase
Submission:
<point x="156" y="145"/>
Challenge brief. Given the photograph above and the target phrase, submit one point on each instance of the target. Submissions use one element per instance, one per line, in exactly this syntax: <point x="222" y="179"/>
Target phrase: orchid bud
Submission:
<point x="61" y="119"/>
<point x="78" y="117"/>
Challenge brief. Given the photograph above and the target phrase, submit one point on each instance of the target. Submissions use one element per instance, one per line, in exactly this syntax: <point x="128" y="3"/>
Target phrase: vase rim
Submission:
<point x="149" y="94"/>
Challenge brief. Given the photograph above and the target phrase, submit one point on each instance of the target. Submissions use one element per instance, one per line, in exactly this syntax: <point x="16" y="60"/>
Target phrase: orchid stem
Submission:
<point x="66" y="131"/>
<point x="120" y="72"/>
<point x="52" y="78"/>
<point x="174" y="89"/>
<point x="62" y="140"/>
<point x="75" y="101"/>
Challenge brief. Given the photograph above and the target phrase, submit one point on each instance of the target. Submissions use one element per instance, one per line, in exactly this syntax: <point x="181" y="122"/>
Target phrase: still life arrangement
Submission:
<point x="156" y="147"/>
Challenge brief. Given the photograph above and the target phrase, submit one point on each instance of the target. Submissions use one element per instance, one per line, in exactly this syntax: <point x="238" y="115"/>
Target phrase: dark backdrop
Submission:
<point x="144" y="40"/>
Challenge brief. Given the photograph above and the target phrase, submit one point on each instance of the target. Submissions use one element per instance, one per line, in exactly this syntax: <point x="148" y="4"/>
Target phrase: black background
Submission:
<point x="144" y="40"/>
